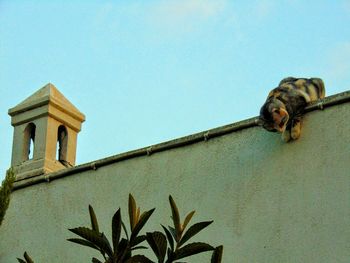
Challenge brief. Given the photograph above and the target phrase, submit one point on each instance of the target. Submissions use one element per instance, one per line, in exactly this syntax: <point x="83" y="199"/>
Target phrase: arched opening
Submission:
<point x="62" y="143"/>
<point x="29" y="142"/>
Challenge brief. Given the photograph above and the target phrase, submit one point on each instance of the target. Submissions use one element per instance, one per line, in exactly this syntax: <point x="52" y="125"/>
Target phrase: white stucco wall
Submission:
<point x="271" y="202"/>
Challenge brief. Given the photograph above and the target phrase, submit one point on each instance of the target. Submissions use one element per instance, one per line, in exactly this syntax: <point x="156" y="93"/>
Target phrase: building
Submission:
<point x="270" y="201"/>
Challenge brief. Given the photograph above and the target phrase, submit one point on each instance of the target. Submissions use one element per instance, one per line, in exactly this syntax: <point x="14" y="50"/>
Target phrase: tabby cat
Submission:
<point x="285" y="105"/>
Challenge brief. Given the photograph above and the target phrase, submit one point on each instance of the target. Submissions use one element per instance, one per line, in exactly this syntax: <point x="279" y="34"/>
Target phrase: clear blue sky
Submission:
<point x="144" y="72"/>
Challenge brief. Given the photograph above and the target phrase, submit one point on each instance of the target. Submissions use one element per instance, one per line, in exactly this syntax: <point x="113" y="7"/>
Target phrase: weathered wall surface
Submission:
<point x="271" y="202"/>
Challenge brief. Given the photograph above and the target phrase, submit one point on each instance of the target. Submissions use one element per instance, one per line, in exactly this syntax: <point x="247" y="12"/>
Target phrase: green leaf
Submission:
<point x="193" y="230"/>
<point x="116" y="229"/>
<point x="139" y="259"/>
<point x="139" y="247"/>
<point x="192" y="249"/>
<point x="106" y="246"/>
<point x="169" y="237"/>
<point x="94" y="223"/>
<point x="175" y="217"/>
<point x="125" y="231"/>
<point x="138" y="240"/>
<point x="132" y="212"/>
<point x="95" y="260"/>
<point x="187" y="220"/>
<point x="98" y="239"/>
<point x="158" y="243"/>
<point x="170" y="255"/>
<point x="27" y="258"/>
<point x="152" y="244"/>
<point x="217" y="255"/>
<point x="122" y="247"/>
<point x="137" y="215"/>
<point x="143" y="219"/>
<point x="83" y="242"/>
<point x="172" y="231"/>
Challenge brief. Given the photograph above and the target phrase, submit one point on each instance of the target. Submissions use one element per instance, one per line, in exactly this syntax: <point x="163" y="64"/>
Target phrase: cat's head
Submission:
<point x="273" y="116"/>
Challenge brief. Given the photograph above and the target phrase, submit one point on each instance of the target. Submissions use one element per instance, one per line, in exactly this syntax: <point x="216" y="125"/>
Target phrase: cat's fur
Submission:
<point x="285" y="105"/>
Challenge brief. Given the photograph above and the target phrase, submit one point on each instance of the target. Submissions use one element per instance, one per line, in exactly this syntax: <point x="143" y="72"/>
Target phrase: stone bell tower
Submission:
<point x="46" y="126"/>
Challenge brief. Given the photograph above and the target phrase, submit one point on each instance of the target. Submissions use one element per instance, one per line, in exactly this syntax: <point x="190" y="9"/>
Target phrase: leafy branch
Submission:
<point x="121" y="248"/>
<point x="175" y="237"/>
<point x="5" y="191"/>
<point x="27" y="259"/>
<point x="168" y="247"/>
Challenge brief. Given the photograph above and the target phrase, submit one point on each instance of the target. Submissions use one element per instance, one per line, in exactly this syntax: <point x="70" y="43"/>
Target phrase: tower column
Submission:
<point x="44" y="124"/>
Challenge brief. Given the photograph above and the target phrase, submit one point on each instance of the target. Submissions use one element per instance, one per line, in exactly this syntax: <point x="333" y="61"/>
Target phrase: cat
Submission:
<point x="285" y="105"/>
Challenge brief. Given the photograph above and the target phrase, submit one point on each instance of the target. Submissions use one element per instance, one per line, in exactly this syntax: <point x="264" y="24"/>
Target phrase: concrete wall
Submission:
<point x="271" y="202"/>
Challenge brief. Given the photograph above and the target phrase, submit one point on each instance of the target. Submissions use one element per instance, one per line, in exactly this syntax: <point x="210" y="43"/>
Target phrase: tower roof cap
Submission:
<point x="48" y="94"/>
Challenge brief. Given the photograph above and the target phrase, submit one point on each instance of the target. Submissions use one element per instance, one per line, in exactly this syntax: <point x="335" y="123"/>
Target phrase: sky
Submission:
<point x="144" y="72"/>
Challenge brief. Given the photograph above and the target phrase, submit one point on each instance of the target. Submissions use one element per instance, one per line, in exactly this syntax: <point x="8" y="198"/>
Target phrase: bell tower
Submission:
<point x="46" y="126"/>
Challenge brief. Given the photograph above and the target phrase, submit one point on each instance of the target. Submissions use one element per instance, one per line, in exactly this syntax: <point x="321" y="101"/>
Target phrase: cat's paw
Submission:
<point x="295" y="131"/>
<point x="296" y="128"/>
<point x="295" y="134"/>
<point x="286" y="136"/>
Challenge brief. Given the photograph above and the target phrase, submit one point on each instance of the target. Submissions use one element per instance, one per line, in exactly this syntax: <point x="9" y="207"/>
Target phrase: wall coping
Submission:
<point x="329" y="101"/>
